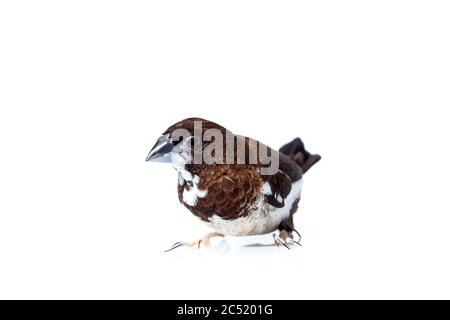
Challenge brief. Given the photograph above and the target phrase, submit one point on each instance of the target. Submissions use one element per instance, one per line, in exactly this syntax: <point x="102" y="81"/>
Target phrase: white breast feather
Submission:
<point x="191" y="195"/>
<point x="267" y="189"/>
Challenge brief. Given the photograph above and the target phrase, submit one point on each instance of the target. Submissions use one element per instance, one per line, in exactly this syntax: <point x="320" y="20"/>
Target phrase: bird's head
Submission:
<point x="185" y="141"/>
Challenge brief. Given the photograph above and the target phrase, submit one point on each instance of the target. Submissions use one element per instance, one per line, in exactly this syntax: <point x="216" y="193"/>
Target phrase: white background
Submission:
<point x="86" y="87"/>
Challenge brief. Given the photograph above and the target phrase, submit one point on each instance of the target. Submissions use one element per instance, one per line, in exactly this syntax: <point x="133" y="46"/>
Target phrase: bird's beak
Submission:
<point x="161" y="150"/>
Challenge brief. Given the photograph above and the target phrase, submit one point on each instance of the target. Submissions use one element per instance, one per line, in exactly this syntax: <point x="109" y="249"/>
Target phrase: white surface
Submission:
<point x="88" y="86"/>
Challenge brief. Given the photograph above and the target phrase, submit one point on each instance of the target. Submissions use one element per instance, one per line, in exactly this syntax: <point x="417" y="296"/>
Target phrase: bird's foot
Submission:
<point x="205" y="241"/>
<point x="285" y="238"/>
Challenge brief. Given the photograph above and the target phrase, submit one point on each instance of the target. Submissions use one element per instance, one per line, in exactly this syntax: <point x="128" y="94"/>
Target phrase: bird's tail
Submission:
<point x="296" y="151"/>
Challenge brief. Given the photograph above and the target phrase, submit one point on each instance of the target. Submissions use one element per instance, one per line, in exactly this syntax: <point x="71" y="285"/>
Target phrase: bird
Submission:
<point x="241" y="196"/>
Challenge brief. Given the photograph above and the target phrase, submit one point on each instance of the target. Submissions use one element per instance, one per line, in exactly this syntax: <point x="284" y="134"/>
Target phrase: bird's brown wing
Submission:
<point x="280" y="185"/>
<point x="281" y="182"/>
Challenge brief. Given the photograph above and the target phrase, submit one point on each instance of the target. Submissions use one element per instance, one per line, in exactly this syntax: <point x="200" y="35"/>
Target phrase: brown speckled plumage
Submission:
<point x="231" y="190"/>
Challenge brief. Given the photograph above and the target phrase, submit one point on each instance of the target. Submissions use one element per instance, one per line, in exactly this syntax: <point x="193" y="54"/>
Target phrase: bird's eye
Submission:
<point x="177" y="140"/>
<point x="193" y="142"/>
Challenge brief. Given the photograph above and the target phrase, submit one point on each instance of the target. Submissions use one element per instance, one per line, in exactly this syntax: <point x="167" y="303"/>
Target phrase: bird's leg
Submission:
<point x="285" y="238"/>
<point x="205" y="241"/>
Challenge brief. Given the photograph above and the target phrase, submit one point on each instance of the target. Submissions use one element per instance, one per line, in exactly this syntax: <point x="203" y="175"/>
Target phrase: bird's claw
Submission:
<point x="285" y="239"/>
<point x="197" y="243"/>
<point x="183" y="243"/>
<point x="175" y="245"/>
<point x="299" y="237"/>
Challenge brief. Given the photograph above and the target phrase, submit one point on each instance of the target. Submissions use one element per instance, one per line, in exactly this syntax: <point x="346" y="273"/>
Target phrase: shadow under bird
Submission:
<point x="237" y="198"/>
